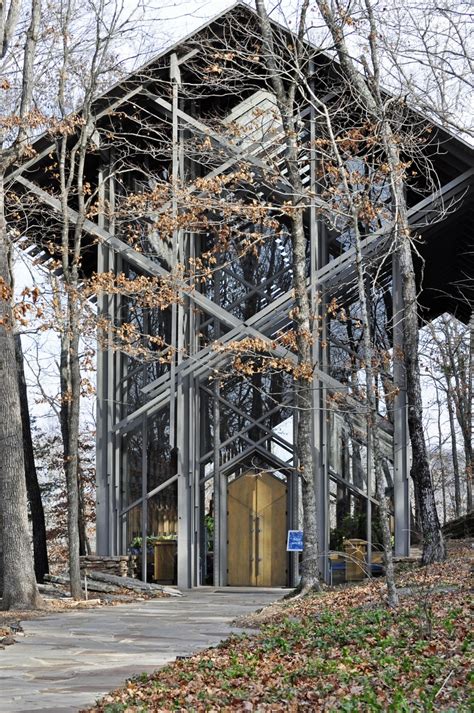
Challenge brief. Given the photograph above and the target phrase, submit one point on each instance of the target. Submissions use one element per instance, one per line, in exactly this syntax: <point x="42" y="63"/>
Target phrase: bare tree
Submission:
<point x="19" y="584"/>
<point x="75" y="75"/>
<point x="32" y="484"/>
<point x="285" y="92"/>
<point x="286" y="97"/>
<point x="287" y="74"/>
<point x="105" y="26"/>
<point x="427" y="49"/>
<point x="356" y="210"/>
<point x="449" y="355"/>
<point x="368" y="93"/>
<point x="83" y="62"/>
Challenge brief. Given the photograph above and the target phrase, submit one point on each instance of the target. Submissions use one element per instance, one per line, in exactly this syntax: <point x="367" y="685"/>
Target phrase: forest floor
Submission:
<point x="342" y="649"/>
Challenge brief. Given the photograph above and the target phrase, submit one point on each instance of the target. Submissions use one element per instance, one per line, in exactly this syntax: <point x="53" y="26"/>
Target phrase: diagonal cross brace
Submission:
<point x="238" y="327"/>
<point x="272" y="311"/>
<point x="135" y="258"/>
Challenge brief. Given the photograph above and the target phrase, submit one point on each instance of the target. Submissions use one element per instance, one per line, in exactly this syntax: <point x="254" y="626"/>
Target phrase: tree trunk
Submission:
<point x="32" y="486"/>
<point x="434" y="549"/>
<point x="458" y="365"/>
<point x="370" y="98"/>
<point x="304" y="393"/>
<point x="441" y="456"/>
<point x="69" y="415"/>
<point x="285" y="98"/>
<point x="370" y="375"/>
<point x="454" y="450"/>
<point x="84" y="545"/>
<point x="372" y="415"/>
<point x="19" y="589"/>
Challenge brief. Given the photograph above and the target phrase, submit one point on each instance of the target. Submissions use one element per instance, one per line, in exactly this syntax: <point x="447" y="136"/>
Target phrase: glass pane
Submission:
<point x="162" y="534"/>
<point x="132" y="395"/>
<point x="163" y="513"/>
<point x="131" y="472"/>
<point x="144" y="358"/>
<point x="257" y="276"/>
<point x="206" y="421"/>
<point x="161" y="458"/>
<point x="207" y="531"/>
<point x="132" y="532"/>
<point x="359" y="465"/>
<point x="348" y="516"/>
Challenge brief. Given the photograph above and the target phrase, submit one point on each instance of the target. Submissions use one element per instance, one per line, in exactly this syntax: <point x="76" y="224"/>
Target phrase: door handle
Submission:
<point x="251" y="528"/>
<point x="257" y="546"/>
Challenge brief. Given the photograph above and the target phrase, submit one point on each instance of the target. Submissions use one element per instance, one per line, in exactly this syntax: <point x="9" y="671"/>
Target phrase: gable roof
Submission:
<point x="446" y="266"/>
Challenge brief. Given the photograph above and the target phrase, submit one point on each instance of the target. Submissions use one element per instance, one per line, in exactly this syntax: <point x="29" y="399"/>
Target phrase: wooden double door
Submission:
<point x="256" y="531"/>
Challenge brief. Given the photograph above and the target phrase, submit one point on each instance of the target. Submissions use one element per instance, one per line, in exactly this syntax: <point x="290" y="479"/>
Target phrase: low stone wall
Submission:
<point x="120" y="565"/>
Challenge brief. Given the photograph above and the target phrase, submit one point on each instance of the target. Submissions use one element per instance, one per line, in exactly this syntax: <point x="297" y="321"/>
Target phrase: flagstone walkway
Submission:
<point x="67" y="661"/>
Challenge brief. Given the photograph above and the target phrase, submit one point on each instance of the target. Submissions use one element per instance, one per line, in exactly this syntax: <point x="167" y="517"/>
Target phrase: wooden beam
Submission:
<point x="431" y="202"/>
<point x="112" y="107"/>
<point x="135" y="258"/>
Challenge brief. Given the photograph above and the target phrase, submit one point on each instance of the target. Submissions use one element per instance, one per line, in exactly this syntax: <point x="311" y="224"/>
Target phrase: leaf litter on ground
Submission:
<point x="339" y="650"/>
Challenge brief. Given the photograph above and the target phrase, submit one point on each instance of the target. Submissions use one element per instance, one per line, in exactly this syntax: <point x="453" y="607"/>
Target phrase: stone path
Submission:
<point x="67" y="661"/>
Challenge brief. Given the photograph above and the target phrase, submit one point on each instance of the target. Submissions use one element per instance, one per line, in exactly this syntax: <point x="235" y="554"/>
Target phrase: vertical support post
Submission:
<point x="105" y="382"/>
<point x="220" y="502"/>
<point x="319" y="412"/>
<point x="174" y="79"/>
<point x="201" y="422"/>
<point x="112" y="470"/>
<point x="323" y="492"/>
<point x="120" y="372"/>
<point x="194" y="478"/>
<point x="180" y="400"/>
<point x="400" y="423"/>
<point x="144" y="428"/>
<point x="102" y="487"/>
<point x="220" y="484"/>
<point x="193" y="466"/>
<point x="185" y="489"/>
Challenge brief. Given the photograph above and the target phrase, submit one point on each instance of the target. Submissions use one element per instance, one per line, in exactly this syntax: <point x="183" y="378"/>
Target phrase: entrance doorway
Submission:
<point x="256" y="531"/>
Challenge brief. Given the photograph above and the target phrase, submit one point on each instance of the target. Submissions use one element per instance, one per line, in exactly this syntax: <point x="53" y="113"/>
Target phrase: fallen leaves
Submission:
<point x="338" y="650"/>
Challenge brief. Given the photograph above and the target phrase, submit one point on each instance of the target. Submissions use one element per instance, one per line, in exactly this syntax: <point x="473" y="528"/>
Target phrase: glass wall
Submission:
<point x="143" y="339"/>
<point x="162" y="527"/>
<point x="131" y="532"/>
<point x="347" y="514"/>
<point x="148" y="488"/>
<point x="132" y="467"/>
<point x="161" y="458"/>
<point x="249" y="279"/>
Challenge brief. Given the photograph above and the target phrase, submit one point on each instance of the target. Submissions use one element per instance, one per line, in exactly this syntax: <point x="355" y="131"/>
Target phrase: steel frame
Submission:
<point x="180" y="389"/>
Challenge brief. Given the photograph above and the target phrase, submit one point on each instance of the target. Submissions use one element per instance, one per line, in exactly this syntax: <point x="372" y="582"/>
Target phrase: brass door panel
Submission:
<point x="240" y="498"/>
<point x="256" y="531"/>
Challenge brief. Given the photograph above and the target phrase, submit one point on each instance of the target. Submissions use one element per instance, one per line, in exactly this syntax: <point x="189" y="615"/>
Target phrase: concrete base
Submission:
<point x="67" y="661"/>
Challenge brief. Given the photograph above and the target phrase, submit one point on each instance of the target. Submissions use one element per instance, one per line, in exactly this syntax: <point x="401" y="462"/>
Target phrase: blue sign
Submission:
<point x="294" y="542"/>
